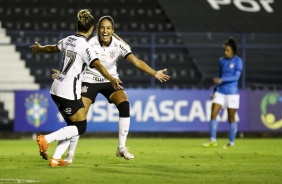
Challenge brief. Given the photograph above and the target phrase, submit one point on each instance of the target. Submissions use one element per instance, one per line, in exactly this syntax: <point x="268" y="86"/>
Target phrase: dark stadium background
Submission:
<point x="184" y="36"/>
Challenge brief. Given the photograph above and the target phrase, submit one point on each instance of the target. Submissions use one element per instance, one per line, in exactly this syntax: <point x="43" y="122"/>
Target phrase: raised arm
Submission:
<point x="46" y="48"/>
<point x="141" y="65"/>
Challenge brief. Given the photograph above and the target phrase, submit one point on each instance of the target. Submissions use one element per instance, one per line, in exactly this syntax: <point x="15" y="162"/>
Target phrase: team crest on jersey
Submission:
<point x="231" y="65"/>
<point x="112" y="54"/>
<point x="36" y="109"/>
<point x="84" y="89"/>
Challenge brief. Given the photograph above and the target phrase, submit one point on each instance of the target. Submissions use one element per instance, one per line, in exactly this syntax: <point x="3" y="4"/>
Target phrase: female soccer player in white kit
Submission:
<point x="109" y="48"/>
<point x="226" y="92"/>
<point x="66" y="88"/>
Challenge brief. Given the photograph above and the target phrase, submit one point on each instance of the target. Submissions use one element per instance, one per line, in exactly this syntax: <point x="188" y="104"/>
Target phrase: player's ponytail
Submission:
<point x="84" y="20"/>
<point x="120" y="39"/>
<point x="232" y="43"/>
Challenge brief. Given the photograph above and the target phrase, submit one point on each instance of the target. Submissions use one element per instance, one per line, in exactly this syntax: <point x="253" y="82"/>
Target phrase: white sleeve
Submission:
<point x="60" y="44"/>
<point x="89" y="55"/>
<point x="124" y="49"/>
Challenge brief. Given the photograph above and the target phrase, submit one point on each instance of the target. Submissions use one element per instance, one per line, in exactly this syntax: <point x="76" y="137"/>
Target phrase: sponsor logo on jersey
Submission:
<point x="70" y="41"/>
<point x="60" y="78"/>
<point x="99" y="79"/>
<point x="122" y="48"/>
<point x="88" y="54"/>
<point x="84" y="89"/>
<point x="36" y="109"/>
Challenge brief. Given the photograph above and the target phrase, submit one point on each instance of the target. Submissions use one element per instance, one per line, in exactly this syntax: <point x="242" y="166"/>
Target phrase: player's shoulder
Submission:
<point x="119" y="43"/>
<point x="221" y="59"/>
<point x="116" y="42"/>
<point x="237" y="58"/>
<point x="94" y="40"/>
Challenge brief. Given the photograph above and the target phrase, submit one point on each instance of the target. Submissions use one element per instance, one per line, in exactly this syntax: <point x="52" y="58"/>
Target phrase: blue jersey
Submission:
<point x="229" y="72"/>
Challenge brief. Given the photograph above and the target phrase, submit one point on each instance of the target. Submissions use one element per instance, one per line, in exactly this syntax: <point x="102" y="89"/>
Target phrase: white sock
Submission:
<point x="73" y="144"/>
<point x="123" y="125"/>
<point x="61" y="148"/>
<point x="64" y="133"/>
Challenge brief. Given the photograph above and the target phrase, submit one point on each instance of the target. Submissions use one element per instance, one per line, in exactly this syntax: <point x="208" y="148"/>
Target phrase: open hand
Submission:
<point x="161" y="76"/>
<point x="116" y="83"/>
<point x="55" y="73"/>
<point x="217" y="80"/>
<point x="35" y="48"/>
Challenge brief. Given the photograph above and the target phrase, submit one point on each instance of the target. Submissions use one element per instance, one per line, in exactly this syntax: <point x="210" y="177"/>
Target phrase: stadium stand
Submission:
<point x="184" y="36"/>
<point x="257" y="29"/>
<point x="130" y="16"/>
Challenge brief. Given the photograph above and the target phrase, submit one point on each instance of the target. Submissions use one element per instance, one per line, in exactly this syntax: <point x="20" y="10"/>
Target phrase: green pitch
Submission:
<point x="156" y="161"/>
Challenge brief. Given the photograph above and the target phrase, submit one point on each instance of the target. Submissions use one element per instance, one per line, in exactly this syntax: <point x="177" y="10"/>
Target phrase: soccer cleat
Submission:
<point x="210" y="144"/>
<point x="69" y="159"/>
<point x="43" y="146"/>
<point x="228" y="146"/>
<point x="123" y="152"/>
<point x="57" y="162"/>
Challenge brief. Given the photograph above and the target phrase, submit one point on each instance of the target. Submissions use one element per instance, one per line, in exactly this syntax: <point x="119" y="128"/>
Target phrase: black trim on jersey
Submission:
<point x="102" y="43"/>
<point x="79" y="35"/>
<point x="74" y="88"/>
<point x="83" y="67"/>
<point x="127" y="55"/>
<point x="90" y="65"/>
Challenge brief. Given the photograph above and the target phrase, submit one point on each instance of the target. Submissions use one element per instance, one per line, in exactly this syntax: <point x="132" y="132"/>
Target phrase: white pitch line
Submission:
<point x="17" y="181"/>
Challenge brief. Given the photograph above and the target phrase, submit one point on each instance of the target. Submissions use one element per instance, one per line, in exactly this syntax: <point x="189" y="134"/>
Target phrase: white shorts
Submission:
<point x="231" y="101"/>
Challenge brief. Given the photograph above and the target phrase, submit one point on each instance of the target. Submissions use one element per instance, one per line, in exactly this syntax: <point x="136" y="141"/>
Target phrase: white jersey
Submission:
<point x="108" y="56"/>
<point x="77" y="53"/>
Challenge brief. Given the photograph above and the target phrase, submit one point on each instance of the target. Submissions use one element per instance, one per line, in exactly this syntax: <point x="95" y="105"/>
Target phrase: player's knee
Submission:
<point x="68" y="121"/>
<point x="81" y="126"/>
<point x="213" y="115"/>
<point x="124" y="109"/>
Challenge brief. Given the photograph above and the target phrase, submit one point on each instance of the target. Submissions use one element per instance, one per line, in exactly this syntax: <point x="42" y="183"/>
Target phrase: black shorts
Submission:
<point x="68" y="107"/>
<point x="91" y="90"/>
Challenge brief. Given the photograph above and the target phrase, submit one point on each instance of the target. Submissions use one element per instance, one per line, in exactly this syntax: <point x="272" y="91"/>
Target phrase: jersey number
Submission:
<point x="71" y="55"/>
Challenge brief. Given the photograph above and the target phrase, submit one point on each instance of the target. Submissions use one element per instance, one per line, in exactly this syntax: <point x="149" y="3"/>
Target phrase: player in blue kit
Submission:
<point x="225" y="93"/>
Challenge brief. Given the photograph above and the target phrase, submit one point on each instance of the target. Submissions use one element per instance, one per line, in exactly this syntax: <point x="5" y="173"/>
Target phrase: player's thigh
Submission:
<point x="219" y="99"/>
<point x="233" y="101"/>
<point x="89" y="91"/>
<point x="87" y="103"/>
<point x="73" y="109"/>
<point x="118" y="96"/>
<point x="80" y="115"/>
<point x="215" y="110"/>
<point x="218" y="103"/>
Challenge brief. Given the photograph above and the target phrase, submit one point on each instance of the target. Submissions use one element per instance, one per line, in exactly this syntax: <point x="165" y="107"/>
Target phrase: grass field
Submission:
<point x="157" y="160"/>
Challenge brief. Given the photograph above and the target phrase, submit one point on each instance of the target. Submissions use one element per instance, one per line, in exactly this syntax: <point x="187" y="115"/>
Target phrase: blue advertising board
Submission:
<point x="265" y="111"/>
<point x="151" y="111"/>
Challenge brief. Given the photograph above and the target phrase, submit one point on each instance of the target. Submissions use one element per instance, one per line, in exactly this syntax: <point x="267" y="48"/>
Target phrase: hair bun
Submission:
<point x="83" y="14"/>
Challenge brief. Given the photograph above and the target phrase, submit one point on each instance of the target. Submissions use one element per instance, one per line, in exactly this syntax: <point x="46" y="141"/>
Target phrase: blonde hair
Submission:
<point x="84" y="20"/>
<point x="117" y="37"/>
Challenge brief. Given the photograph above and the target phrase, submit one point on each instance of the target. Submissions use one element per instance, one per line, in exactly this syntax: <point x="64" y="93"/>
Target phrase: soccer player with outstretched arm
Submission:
<point x="109" y="48"/>
<point x="226" y="92"/>
<point x="66" y="88"/>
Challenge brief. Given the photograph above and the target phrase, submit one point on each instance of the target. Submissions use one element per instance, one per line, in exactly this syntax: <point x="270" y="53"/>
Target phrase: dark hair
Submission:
<point x="84" y="20"/>
<point x="232" y="43"/>
<point x="109" y="18"/>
